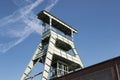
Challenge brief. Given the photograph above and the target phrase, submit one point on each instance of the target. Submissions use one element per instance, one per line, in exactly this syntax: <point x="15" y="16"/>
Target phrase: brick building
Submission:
<point x="107" y="70"/>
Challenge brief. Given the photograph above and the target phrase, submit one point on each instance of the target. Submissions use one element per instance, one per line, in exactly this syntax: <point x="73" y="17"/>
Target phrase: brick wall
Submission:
<point x="107" y="70"/>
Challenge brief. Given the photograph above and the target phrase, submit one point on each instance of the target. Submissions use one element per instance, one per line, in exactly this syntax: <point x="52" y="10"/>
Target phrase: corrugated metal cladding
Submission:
<point x="107" y="70"/>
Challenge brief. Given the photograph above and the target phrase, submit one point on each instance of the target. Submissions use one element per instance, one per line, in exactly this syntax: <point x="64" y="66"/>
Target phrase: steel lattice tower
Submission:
<point x="56" y="50"/>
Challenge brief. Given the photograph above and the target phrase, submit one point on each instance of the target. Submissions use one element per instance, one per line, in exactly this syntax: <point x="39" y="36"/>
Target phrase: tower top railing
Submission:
<point x="53" y="21"/>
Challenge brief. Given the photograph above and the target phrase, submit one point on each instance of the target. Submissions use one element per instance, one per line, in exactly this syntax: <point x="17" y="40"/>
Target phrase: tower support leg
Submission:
<point x="47" y="66"/>
<point x="31" y="63"/>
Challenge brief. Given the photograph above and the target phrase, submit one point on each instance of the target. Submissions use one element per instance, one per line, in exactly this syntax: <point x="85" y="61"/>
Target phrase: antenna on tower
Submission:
<point x="56" y="50"/>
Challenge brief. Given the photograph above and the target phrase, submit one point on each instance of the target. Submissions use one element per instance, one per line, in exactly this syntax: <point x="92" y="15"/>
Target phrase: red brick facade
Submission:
<point x="107" y="70"/>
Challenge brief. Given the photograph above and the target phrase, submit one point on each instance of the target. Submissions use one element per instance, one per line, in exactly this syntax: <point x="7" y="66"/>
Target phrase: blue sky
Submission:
<point x="97" y="22"/>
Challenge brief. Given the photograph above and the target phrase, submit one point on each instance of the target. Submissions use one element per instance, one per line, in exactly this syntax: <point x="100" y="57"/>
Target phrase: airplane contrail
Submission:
<point x="28" y="23"/>
<point x="49" y="7"/>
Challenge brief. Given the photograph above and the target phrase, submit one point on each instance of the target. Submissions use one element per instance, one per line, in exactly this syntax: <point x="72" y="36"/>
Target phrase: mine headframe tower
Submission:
<point x="56" y="50"/>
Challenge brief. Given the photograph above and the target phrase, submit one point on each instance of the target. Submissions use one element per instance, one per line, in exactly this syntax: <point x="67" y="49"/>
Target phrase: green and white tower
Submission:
<point x="56" y="50"/>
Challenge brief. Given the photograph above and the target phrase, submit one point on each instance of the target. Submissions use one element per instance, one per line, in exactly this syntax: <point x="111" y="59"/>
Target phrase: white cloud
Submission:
<point x="23" y="22"/>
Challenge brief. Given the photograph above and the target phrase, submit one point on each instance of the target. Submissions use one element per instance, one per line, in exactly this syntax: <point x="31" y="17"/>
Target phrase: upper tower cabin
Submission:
<point x="54" y="22"/>
<point x="56" y="50"/>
